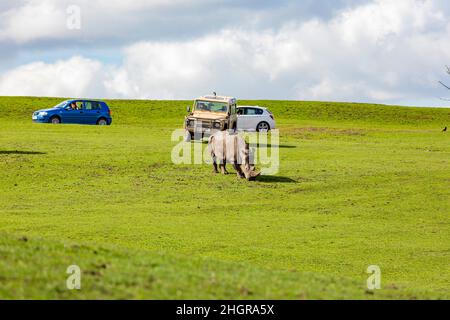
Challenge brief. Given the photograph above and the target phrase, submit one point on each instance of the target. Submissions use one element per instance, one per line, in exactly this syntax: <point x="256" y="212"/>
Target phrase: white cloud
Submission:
<point x="30" y="21"/>
<point x="383" y="51"/>
<point x="232" y="61"/>
<point x="34" y="20"/>
<point x="374" y="22"/>
<point x="75" y="77"/>
<point x="380" y="52"/>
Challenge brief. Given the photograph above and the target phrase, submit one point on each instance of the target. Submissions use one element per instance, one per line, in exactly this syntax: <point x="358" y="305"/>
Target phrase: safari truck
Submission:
<point x="210" y="114"/>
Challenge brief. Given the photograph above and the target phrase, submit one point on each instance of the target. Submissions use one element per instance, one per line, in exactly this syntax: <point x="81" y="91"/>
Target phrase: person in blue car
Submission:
<point x="75" y="112"/>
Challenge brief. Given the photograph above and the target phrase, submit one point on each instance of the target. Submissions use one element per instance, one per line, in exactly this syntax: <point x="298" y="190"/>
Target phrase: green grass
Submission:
<point x="358" y="185"/>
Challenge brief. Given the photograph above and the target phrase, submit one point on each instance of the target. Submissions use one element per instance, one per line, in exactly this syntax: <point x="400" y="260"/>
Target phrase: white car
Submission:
<point x="255" y="118"/>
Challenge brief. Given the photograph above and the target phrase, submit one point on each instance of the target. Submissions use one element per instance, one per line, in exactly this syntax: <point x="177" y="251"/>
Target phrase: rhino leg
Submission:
<point x="213" y="154"/>
<point x="215" y="169"/>
<point x="214" y="163"/>
<point x="240" y="175"/>
<point x="223" y="168"/>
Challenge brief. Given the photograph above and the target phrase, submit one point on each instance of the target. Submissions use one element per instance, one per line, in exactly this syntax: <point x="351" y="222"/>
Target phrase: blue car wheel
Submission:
<point x="102" y="122"/>
<point x="55" y="120"/>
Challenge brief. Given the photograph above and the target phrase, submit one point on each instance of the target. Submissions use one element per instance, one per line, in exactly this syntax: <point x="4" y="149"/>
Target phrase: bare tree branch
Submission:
<point x="444" y="85"/>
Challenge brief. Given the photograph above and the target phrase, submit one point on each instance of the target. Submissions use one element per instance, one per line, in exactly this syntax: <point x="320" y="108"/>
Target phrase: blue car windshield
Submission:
<point x="61" y="105"/>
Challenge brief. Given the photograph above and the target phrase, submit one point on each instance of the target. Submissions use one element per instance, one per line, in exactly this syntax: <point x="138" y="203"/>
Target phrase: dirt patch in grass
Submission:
<point x="317" y="132"/>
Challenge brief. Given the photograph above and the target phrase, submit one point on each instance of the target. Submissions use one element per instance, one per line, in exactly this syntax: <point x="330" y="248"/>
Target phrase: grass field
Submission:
<point x="358" y="185"/>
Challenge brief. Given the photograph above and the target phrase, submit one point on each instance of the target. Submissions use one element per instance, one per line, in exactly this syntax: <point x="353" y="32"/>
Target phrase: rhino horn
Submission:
<point x="252" y="175"/>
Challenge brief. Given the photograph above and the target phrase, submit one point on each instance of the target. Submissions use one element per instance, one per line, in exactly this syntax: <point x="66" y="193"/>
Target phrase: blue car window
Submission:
<point x="88" y="105"/>
<point x="96" y="105"/>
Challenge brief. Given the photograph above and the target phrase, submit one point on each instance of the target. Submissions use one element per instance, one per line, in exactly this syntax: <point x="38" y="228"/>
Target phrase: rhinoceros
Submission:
<point x="225" y="147"/>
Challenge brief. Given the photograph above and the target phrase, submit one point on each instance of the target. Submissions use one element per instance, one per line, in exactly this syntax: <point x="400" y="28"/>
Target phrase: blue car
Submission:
<point x="75" y="111"/>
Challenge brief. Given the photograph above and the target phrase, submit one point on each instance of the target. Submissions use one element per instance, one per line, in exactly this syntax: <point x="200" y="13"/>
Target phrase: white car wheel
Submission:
<point x="263" y="127"/>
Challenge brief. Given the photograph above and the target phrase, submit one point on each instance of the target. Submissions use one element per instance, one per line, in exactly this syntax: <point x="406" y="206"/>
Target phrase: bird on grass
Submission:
<point x="445" y="129"/>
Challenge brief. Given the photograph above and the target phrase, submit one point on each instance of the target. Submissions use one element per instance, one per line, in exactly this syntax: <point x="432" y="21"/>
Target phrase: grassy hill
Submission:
<point x="359" y="185"/>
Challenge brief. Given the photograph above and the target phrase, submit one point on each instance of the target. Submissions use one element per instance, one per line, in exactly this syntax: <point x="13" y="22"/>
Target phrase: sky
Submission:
<point x="377" y="51"/>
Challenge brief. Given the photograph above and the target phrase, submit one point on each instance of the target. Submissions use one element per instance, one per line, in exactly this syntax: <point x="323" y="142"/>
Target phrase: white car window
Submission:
<point x="252" y="111"/>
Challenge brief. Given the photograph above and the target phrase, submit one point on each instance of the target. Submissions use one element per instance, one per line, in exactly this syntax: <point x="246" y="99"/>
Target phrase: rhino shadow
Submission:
<point x="275" y="179"/>
<point x="281" y="146"/>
